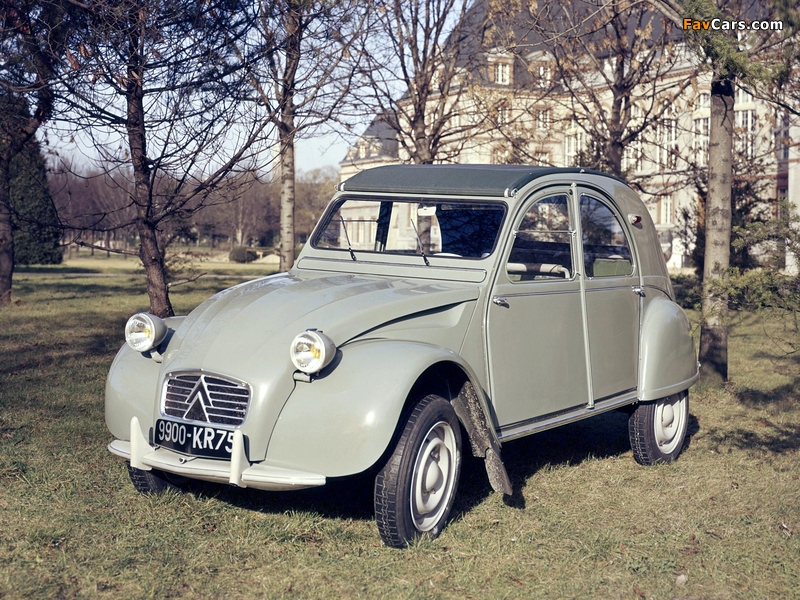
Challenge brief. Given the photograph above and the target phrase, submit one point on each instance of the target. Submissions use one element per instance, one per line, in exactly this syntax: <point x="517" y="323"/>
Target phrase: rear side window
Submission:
<point x="541" y="248"/>
<point x="606" y="250"/>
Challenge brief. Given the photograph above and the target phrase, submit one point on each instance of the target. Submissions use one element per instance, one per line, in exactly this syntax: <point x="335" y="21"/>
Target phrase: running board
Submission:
<point x="523" y="428"/>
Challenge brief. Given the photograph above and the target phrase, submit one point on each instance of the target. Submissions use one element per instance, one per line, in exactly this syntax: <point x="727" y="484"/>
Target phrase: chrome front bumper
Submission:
<point x="238" y="471"/>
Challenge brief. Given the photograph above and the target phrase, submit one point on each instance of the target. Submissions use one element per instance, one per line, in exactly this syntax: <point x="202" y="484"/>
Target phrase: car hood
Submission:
<point x="257" y="320"/>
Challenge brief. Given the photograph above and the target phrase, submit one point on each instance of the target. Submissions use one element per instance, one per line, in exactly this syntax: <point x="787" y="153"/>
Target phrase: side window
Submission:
<point x="606" y="251"/>
<point x="542" y="244"/>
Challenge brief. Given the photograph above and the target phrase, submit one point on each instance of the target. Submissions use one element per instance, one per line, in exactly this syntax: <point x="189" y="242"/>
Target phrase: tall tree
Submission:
<point x="156" y="89"/>
<point x="37" y="236"/>
<point x="615" y="64"/>
<point x="733" y="54"/>
<point x="417" y="75"/>
<point x="33" y="43"/>
<point x="303" y="82"/>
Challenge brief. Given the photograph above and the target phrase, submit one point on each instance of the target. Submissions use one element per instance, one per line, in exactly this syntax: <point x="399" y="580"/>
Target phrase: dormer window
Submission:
<point x="502" y="73"/>
<point x="545" y="74"/>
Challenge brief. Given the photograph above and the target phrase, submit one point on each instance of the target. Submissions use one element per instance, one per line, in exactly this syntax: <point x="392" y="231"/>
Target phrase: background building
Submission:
<point x="640" y="94"/>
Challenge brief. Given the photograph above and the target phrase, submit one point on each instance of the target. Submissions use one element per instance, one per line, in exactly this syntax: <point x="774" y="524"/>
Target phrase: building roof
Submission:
<point x="457" y="180"/>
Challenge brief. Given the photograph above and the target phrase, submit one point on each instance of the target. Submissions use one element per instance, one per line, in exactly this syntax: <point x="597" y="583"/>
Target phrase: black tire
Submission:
<point x="657" y="430"/>
<point x="414" y="491"/>
<point x="153" y="481"/>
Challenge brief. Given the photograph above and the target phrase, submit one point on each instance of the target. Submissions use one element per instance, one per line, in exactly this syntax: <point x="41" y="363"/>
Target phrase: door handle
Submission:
<point x="500" y="301"/>
<point x="637" y="289"/>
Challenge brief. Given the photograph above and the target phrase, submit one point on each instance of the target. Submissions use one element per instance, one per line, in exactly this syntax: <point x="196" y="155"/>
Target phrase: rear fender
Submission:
<point x="667" y="360"/>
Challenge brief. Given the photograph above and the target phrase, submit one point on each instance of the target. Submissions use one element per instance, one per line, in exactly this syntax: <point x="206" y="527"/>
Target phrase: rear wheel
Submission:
<point x="657" y="430"/>
<point x="153" y="481"/>
<point x="414" y="491"/>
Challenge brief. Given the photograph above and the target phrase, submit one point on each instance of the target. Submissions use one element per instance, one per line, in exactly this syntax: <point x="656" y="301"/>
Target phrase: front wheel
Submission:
<point x="153" y="481"/>
<point x="657" y="430"/>
<point x="414" y="491"/>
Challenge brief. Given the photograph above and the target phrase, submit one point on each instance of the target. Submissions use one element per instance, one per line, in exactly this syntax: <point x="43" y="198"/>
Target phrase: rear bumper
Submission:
<point x="237" y="471"/>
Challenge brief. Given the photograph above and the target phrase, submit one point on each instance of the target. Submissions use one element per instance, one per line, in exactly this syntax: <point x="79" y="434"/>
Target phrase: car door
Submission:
<point x="535" y="335"/>
<point x="612" y="288"/>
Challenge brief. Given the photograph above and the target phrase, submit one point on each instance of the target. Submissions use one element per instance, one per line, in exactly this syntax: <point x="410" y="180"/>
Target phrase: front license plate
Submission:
<point x="196" y="440"/>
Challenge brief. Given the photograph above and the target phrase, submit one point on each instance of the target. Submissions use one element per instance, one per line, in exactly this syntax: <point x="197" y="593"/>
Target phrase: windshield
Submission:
<point x="446" y="228"/>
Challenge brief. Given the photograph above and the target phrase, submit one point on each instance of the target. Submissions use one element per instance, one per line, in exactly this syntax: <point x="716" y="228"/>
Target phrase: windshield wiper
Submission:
<point x="419" y="241"/>
<point x="347" y="237"/>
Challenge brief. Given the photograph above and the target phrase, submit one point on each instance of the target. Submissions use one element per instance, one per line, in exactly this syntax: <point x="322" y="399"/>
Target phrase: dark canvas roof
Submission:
<point x="459" y="180"/>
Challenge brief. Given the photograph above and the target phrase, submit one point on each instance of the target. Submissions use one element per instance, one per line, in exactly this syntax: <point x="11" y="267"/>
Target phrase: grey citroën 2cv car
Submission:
<point x="435" y="309"/>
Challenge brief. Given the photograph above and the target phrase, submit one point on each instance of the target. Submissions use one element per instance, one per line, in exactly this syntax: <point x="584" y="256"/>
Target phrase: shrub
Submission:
<point x="240" y="254"/>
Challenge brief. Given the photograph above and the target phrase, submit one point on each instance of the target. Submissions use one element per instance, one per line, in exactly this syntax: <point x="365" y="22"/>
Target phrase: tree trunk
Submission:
<point x="6" y="236"/>
<point x="150" y="253"/>
<point x="286" y="131"/>
<point x="153" y="260"/>
<point x="714" y="328"/>
<point x="287" y="199"/>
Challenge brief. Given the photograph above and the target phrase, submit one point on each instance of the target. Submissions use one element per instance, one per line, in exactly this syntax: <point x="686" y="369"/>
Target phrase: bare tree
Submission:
<point x="93" y="203"/>
<point x="303" y="82"/>
<point x="33" y="39"/>
<point x="419" y="72"/>
<point x="615" y="65"/>
<point x="244" y="215"/>
<point x="754" y="57"/>
<point x="157" y="88"/>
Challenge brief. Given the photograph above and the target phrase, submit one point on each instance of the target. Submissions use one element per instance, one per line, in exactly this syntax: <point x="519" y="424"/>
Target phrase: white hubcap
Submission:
<point x="433" y="476"/>
<point x="670" y="422"/>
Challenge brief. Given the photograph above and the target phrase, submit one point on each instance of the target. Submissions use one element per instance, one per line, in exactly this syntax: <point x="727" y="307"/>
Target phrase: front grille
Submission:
<point x="205" y="398"/>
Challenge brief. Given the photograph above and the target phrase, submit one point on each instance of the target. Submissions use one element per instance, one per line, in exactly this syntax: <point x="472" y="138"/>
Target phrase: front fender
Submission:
<point x="667" y="360"/>
<point x="341" y="424"/>
<point x="132" y="386"/>
<point x="130" y="390"/>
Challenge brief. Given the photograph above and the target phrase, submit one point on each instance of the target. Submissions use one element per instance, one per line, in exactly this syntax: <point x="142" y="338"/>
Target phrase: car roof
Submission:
<point x="460" y="180"/>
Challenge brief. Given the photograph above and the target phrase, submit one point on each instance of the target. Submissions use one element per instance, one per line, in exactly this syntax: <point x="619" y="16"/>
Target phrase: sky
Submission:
<point x="320" y="152"/>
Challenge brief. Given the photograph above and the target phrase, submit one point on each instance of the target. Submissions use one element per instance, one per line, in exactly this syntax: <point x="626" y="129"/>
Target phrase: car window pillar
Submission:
<point x="580" y="268"/>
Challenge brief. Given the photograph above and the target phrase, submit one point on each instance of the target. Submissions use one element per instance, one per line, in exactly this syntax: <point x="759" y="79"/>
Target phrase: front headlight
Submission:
<point x="312" y="351"/>
<point x="144" y="332"/>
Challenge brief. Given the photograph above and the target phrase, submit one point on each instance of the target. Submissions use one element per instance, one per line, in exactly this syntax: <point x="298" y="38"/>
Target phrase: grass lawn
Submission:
<point x="585" y="520"/>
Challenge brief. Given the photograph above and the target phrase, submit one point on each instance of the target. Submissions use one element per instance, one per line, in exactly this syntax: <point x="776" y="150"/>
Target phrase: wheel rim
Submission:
<point x="670" y="422"/>
<point x="434" y="474"/>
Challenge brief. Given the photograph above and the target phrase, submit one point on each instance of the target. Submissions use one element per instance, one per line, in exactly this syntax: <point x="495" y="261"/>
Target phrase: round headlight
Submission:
<point x="144" y="332"/>
<point x="312" y="351"/>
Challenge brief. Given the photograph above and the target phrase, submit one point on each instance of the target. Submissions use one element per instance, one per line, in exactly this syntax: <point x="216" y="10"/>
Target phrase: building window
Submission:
<point x="502" y="112"/>
<point x="743" y="96"/>
<point x="541" y="158"/>
<point x="501" y="156"/>
<point x="703" y="101"/>
<point x="700" y="141"/>
<point x="573" y="146"/>
<point x="542" y="120"/>
<point x="545" y="74"/>
<point x="666" y="210"/>
<point x="667" y="143"/>
<point x="782" y="140"/>
<point x="502" y="73"/>
<point x="745" y="135"/>
<point x="632" y="156"/>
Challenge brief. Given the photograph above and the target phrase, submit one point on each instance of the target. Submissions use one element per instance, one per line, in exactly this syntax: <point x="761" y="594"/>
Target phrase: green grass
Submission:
<point x="585" y="520"/>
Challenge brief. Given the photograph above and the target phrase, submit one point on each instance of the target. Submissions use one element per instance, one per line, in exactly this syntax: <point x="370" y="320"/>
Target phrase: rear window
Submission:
<point x="392" y="226"/>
